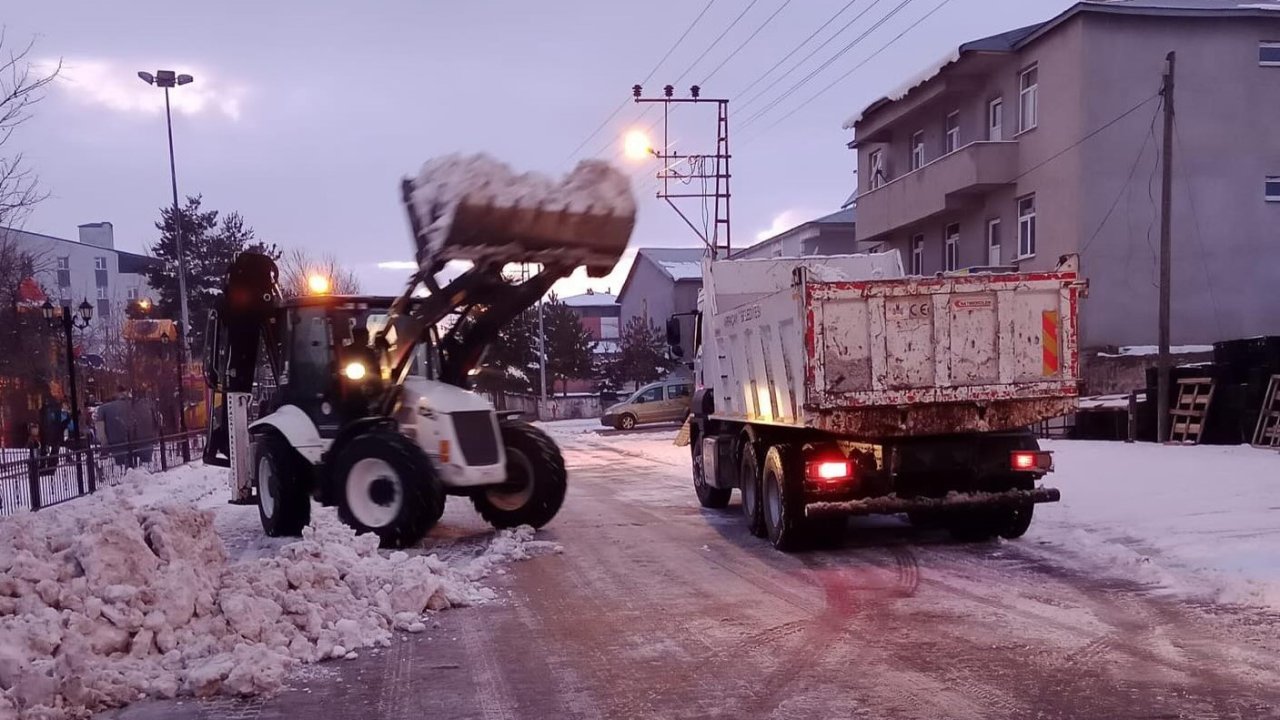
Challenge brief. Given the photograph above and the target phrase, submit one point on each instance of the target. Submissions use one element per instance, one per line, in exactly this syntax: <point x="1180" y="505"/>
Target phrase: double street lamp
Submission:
<point x="168" y="79"/>
<point x="77" y="320"/>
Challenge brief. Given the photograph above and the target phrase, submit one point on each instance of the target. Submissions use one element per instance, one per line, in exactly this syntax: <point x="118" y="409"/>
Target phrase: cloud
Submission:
<point x="115" y="85"/>
<point x="784" y="221"/>
<point x="397" y="265"/>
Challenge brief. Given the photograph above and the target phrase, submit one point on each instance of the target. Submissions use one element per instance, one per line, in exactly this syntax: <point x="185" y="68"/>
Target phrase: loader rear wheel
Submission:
<point x="708" y="496"/>
<point x="284" y="505"/>
<point x="749" y="485"/>
<point x="783" y="496"/>
<point x="388" y="487"/>
<point x="536" y="480"/>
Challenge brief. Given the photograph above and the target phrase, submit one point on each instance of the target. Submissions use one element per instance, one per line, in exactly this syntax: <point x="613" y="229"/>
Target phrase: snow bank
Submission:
<point x="1195" y="521"/>
<point x="593" y="187"/>
<point x="104" y="601"/>
<point x="925" y="74"/>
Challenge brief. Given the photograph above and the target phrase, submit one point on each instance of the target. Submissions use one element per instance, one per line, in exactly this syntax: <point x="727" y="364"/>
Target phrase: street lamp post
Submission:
<point x="179" y="343"/>
<point x="167" y="79"/>
<point x="79" y="320"/>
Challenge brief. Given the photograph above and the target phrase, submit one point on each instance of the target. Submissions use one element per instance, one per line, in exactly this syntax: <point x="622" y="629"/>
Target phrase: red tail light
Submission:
<point x="1031" y="461"/>
<point x="829" y="470"/>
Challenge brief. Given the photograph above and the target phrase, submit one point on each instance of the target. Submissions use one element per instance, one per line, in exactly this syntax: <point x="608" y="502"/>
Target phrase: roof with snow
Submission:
<point x="678" y="264"/>
<point x="1013" y="40"/>
<point x="844" y="216"/>
<point x="591" y="299"/>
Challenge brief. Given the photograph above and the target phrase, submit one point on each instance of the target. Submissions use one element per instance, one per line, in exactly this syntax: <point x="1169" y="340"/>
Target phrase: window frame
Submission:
<point x="994" y="105"/>
<point x="917" y="254"/>
<point x="994" y="224"/>
<point x="1028" y="221"/>
<point x="951" y="133"/>
<point x="875" y="168"/>
<point x="917" y="150"/>
<point x="1033" y="91"/>
<point x="951" y="247"/>
<point x="1267" y="194"/>
<point x="1268" y="45"/>
<point x="687" y="387"/>
<point x="100" y="262"/>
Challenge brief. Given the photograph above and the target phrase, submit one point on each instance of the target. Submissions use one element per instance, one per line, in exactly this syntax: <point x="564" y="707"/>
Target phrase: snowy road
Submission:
<point x="658" y="609"/>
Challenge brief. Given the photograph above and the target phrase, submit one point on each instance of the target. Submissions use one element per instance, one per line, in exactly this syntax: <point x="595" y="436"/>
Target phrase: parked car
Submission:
<point x="663" y="401"/>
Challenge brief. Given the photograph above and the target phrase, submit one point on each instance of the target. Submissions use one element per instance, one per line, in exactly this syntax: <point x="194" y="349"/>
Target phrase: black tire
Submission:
<point x="625" y="421"/>
<point x="749" y="487"/>
<point x="1015" y="521"/>
<point x="284" y="503"/>
<point x="783" y="498"/>
<point x="536" y="480"/>
<point x="708" y="496"/>
<point x="386" y="485"/>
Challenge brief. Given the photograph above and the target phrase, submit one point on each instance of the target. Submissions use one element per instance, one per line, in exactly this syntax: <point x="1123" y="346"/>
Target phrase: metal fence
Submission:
<point x="32" y="479"/>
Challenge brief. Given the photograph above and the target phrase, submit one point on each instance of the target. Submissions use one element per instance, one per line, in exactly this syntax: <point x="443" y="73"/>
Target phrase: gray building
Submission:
<point x="1045" y="140"/>
<point x="71" y="271"/>
<point x="828" y="235"/>
<point x="661" y="283"/>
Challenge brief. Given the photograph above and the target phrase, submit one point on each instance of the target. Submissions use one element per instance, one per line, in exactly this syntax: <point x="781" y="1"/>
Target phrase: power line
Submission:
<point x="796" y="49"/>
<point x="1133" y="170"/>
<point x="1084" y="139"/>
<point x="715" y="42"/>
<point x="855" y="68"/>
<point x="814" y="73"/>
<point x="652" y="71"/>
<point x="744" y="43"/>
<point x="765" y="90"/>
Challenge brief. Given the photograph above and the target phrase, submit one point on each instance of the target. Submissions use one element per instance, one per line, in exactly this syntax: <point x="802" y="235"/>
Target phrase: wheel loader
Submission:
<point x="364" y="403"/>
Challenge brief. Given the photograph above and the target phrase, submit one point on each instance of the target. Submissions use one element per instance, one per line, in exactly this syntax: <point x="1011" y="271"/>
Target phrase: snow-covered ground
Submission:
<point x="1200" y="522"/>
<point x="156" y="587"/>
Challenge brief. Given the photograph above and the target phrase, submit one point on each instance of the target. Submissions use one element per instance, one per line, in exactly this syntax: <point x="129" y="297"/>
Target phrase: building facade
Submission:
<point x="1046" y="140"/>
<point x="90" y="268"/>
<point x="832" y="234"/>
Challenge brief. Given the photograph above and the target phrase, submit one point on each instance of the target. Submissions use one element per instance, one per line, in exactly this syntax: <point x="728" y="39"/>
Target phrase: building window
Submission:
<point x="951" y="247"/>
<point x="1269" y="54"/>
<point x="1026" y="226"/>
<point x="102" y="293"/>
<point x="1028" y="98"/>
<point x="64" y="294"/>
<point x="917" y="150"/>
<point x="131" y="294"/>
<point x="1271" y="189"/>
<point x="104" y="308"/>
<point x="951" y="140"/>
<point x="875" y="163"/>
<point x="99" y="263"/>
<point x="608" y="328"/>
<point x="995" y="119"/>
<point x="917" y="255"/>
<point x="993" y="242"/>
<point x="64" y="272"/>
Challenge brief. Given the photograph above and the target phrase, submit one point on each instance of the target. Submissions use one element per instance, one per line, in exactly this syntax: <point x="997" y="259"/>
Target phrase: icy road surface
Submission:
<point x="1112" y="607"/>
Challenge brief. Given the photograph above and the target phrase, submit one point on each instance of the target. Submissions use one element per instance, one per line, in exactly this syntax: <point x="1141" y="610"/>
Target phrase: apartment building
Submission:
<point x="831" y="234"/>
<point x="1046" y="140"/>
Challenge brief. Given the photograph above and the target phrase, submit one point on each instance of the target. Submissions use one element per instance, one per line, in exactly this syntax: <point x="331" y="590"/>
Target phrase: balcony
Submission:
<point x="941" y="185"/>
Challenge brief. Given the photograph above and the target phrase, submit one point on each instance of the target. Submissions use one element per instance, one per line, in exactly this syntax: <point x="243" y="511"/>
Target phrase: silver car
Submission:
<point x="664" y="401"/>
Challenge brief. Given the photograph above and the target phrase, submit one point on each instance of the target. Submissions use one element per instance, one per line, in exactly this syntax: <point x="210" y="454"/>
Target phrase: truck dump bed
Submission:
<point x="897" y="357"/>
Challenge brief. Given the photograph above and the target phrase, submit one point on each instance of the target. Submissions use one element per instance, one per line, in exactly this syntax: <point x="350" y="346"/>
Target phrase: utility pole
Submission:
<point x="1166" y="243"/>
<point x="542" y="353"/>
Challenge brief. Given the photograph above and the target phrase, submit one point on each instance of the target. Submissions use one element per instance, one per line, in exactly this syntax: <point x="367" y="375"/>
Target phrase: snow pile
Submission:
<point x="1196" y="521"/>
<point x="925" y="74"/>
<point x="103" y="603"/>
<point x="593" y="187"/>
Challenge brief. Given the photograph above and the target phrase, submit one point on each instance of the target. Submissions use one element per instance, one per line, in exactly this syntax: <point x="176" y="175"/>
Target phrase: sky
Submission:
<point x="304" y="116"/>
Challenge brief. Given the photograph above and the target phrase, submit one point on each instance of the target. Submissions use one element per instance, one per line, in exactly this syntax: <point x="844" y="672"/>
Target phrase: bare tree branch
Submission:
<point x="21" y="87"/>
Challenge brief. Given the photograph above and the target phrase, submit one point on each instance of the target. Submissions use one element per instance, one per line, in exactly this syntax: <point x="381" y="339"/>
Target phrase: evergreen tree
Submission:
<point x="569" y="345"/>
<point x="209" y="245"/>
<point x="511" y="363"/>
<point x="642" y="356"/>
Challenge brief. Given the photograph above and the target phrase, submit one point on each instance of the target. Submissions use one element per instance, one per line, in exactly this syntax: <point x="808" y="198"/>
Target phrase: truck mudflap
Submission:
<point x="892" y="504"/>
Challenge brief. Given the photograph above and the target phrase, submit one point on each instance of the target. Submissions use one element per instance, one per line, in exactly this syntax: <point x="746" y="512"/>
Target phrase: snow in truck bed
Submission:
<point x="158" y="588"/>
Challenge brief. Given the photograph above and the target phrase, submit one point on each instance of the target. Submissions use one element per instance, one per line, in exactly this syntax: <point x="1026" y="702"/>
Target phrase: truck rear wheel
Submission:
<point x="749" y="485"/>
<point x="536" y="480"/>
<point x="783" y="498"/>
<point x="284" y="505"/>
<point x="708" y="496"/>
<point x="388" y="487"/>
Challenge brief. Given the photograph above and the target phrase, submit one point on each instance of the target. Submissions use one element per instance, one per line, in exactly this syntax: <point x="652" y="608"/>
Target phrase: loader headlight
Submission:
<point x="354" y="371"/>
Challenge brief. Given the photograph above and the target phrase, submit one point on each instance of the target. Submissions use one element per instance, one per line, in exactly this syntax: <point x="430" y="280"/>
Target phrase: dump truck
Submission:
<point x="365" y="402"/>
<point x="837" y="386"/>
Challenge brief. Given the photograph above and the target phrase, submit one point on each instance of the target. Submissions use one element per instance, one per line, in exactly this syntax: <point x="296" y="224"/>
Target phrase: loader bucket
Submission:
<point x="476" y="208"/>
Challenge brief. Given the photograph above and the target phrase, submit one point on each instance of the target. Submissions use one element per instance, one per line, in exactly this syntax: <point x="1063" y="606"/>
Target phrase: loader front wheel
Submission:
<point x="783" y="498"/>
<point x="388" y="487"/>
<point x="284" y="505"/>
<point x="536" y="480"/>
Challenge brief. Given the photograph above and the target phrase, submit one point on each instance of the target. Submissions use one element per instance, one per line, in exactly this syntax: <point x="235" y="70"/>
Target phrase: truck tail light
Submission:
<point x="1031" y="461"/>
<point x="829" y="470"/>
